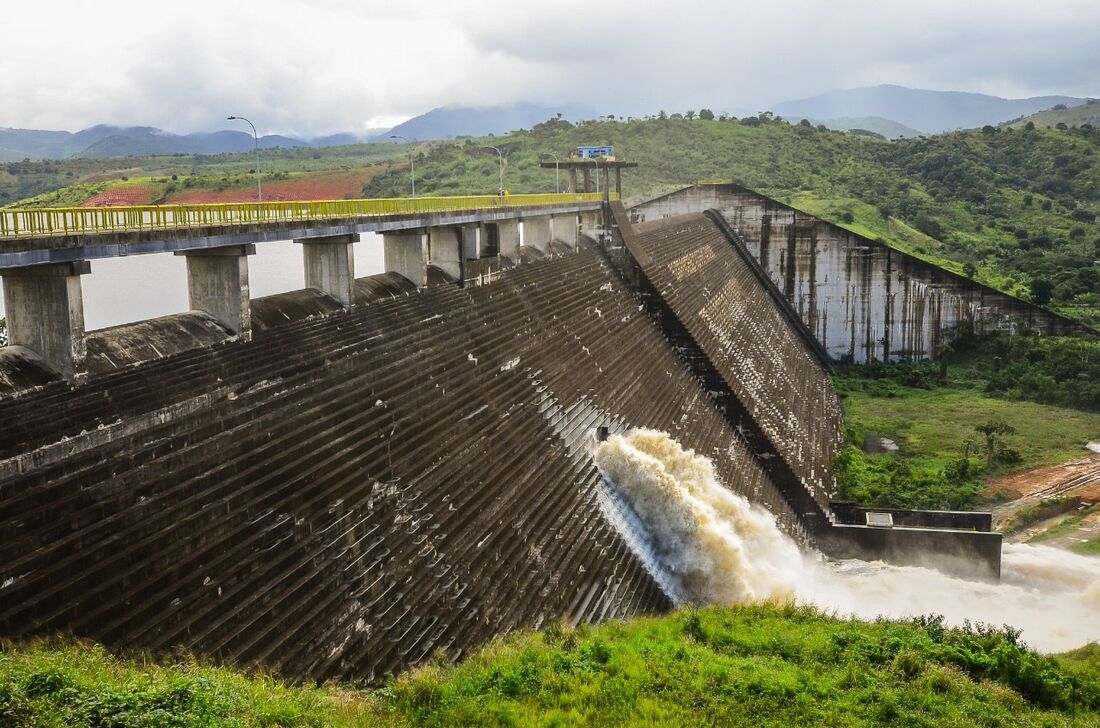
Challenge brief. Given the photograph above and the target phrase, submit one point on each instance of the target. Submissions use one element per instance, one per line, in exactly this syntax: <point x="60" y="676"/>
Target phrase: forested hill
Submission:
<point x="1014" y="208"/>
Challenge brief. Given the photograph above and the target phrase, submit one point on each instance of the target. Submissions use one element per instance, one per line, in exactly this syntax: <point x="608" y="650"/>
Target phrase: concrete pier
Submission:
<point x="445" y="250"/>
<point x="591" y="223"/>
<point x="508" y="238"/>
<point x="330" y="265"/>
<point x="406" y="252"/>
<point x="537" y="232"/>
<point x="471" y="244"/>
<point x="217" y="283"/>
<point x="565" y="229"/>
<point x="45" y="312"/>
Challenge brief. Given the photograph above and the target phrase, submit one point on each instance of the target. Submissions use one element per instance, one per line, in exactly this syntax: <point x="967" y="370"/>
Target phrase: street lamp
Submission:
<point x="557" y="186"/>
<point x="256" y="138"/>
<point x="501" y="155"/>
<point x="412" y="162"/>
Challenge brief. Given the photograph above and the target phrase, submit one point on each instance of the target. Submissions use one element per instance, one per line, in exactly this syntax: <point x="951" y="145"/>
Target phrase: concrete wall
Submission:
<point x="45" y="314"/>
<point x="445" y="250"/>
<point x="781" y="396"/>
<point x="861" y="299"/>
<point x="537" y="233"/>
<point x="406" y="253"/>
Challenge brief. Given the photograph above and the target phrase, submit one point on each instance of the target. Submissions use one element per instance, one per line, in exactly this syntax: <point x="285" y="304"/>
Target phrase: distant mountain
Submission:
<point x="448" y="123"/>
<point x="142" y="141"/>
<point x="931" y="112"/>
<point x="887" y="127"/>
<point x="103" y="141"/>
<point x="1086" y="113"/>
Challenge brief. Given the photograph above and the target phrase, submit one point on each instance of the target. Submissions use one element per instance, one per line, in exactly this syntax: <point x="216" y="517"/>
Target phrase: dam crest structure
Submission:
<point x="337" y="482"/>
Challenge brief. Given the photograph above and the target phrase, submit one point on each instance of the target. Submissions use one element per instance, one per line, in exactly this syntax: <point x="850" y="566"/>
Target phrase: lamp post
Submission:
<point x="412" y="162"/>
<point x="500" y="154"/>
<point x="256" y="138"/>
<point x="557" y="186"/>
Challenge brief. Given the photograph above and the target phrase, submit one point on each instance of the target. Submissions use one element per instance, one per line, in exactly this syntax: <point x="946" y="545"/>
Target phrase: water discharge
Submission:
<point x="719" y="548"/>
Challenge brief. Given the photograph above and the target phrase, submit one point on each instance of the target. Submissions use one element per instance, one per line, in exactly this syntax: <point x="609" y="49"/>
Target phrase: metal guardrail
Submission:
<point x="44" y="222"/>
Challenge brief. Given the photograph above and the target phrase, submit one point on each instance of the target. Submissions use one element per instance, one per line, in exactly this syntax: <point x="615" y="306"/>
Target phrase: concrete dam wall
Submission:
<point x="349" y="492"/>
<point x="861" y="299"/>
<point x="352" y="490"/>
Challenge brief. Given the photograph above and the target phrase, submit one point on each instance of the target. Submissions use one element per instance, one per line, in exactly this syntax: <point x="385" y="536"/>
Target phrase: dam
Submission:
<point x="338" y="482"/>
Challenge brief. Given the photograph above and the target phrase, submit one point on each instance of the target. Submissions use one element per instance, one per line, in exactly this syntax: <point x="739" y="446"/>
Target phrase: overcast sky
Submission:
<point x="319" y="66"/>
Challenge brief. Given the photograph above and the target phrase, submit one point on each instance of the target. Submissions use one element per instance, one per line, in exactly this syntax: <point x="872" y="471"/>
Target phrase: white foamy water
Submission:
<point x="717" y="547"/>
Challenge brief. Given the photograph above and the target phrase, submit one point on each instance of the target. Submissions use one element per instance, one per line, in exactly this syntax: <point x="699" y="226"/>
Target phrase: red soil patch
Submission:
<point x="123" y="195"/>
<point x="320" y="186"/>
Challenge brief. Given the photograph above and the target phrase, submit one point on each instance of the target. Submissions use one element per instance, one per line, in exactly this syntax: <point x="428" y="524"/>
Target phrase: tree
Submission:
<point x="706" y="114"/>
<point x="689" y="114"/>
<point x="994" y="430"/>
<point x="1041" y="291"/>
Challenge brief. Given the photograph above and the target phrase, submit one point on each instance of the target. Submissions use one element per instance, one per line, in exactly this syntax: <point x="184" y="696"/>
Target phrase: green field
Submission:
<point x="740" y="666"/>
<point x="1047" y="392"/>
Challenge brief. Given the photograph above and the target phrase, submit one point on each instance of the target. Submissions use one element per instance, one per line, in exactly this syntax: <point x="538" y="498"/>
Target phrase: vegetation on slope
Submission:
<point x="1013" y="208"/>
<point x="72" y="182"/>
<point x="1038" y="400"/>
<point x="739" y="666"/>
<point x="1016" y="209"/>
<point x="1086" y="113"/>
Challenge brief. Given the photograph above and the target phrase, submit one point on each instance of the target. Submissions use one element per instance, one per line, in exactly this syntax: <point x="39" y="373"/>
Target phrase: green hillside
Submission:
<point x="738" y="666"/>
<point x="1088" y="113"/>
<point x="1016" y="209"/>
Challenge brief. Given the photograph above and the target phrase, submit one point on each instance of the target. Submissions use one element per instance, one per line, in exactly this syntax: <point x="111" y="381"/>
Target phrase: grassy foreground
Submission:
<point x="741" y="666"/>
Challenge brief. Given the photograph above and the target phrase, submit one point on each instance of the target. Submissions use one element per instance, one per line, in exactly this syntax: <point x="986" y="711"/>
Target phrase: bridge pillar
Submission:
<point x="45" y="312"/>
<point x="470" y="248"/>
<point x="537" y="232"/>
<point x="565" y="229"/>
<point x="508" y="239"/>
<point x="591" y="223"/>
<point x="217" y="283"/>
<point x="445" y="250"/>
<point x="406" y="252"/>
<point x="330" y="265"/>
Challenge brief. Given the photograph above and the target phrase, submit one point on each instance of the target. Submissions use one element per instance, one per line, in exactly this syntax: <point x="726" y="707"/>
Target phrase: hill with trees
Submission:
<point x="1015" y="209"/>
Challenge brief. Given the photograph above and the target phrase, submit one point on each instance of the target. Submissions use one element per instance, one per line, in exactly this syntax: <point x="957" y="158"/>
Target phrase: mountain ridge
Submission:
<point x="930" y="112"/>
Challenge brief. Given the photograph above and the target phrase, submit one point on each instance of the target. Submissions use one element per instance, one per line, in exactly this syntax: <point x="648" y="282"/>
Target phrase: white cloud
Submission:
<point x="332" y="65"/>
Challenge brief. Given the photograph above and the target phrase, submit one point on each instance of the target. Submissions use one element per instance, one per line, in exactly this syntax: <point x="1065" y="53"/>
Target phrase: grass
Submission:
<point x="942" y="462"/>
<point x="1066" y="526"/>
<point x="740" y="666"/>
<point x="931" y="425"/>
<point x="1044" y="509"/>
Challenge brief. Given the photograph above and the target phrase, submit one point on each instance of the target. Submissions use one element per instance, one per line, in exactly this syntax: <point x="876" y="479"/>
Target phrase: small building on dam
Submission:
<point x="340" y="481"/>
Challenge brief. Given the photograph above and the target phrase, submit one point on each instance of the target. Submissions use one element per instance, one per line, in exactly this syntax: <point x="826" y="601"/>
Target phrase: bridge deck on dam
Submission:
<point x="59" y="235"/>
<point x="347" y="493"/>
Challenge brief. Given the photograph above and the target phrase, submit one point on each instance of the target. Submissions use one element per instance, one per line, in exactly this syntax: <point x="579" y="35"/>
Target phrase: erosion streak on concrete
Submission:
<point x="349" y="492"/>
<point x="861" y="299"/>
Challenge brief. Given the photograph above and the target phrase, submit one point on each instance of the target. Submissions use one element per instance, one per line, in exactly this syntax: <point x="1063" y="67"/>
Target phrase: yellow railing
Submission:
<point x="28" y="223"/>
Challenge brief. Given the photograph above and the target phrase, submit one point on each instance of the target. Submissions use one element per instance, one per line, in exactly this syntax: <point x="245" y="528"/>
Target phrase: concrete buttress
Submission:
<point x="330" y="265"/>
<point x="217" y="283"/>
<point x="45" y="312"/>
